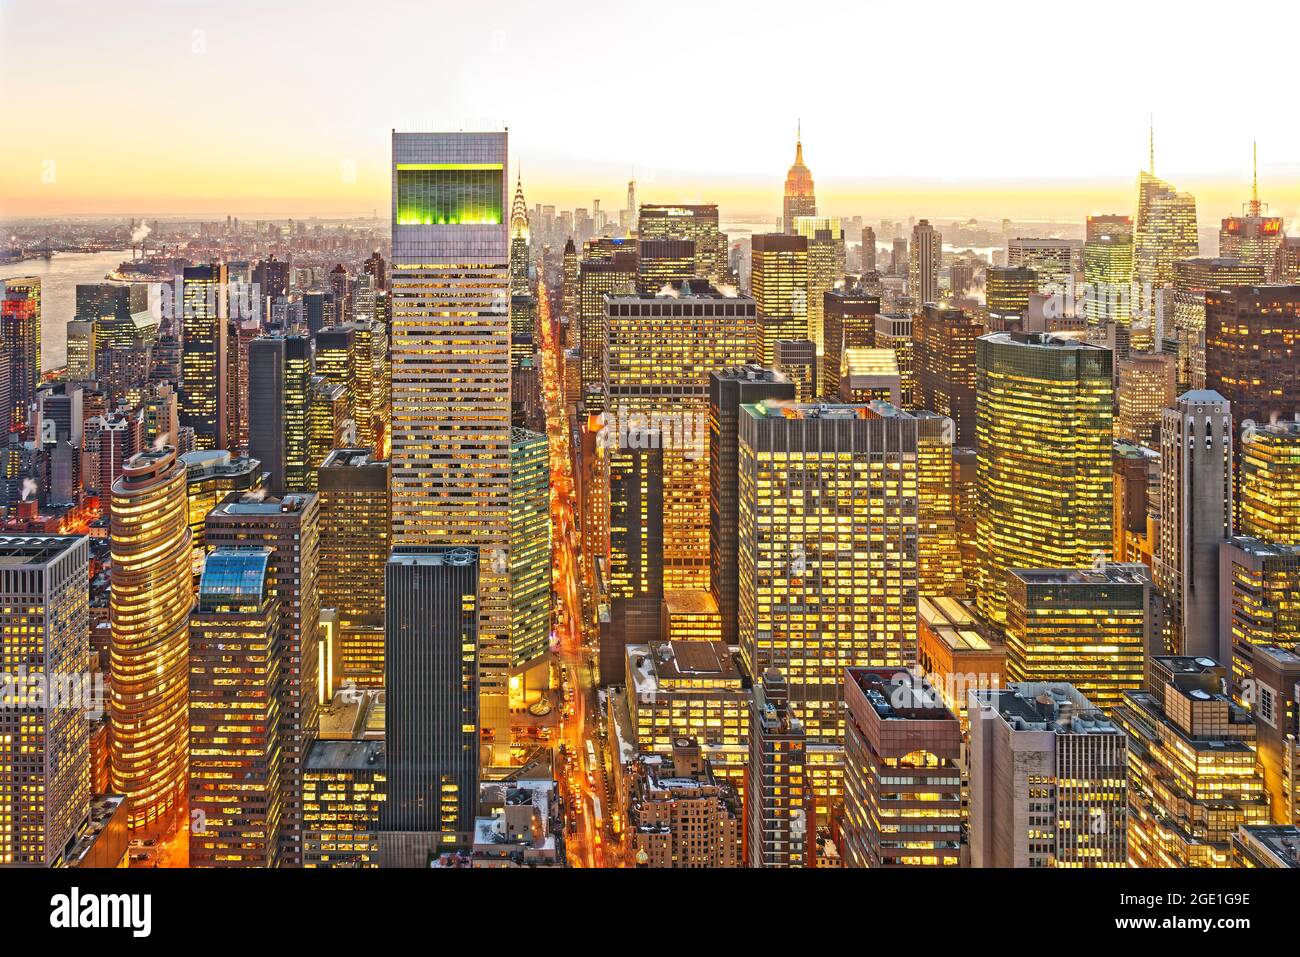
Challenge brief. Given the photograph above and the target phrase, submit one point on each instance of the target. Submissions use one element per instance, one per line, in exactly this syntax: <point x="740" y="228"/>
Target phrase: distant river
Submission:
<point x="59" y="279"/>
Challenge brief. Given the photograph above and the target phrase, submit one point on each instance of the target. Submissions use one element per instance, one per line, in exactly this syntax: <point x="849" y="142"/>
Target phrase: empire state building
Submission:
<point x="799" y="198"/>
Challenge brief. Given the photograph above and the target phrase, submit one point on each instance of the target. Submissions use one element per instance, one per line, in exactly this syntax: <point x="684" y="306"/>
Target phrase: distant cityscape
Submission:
<point x="489" y="534"/>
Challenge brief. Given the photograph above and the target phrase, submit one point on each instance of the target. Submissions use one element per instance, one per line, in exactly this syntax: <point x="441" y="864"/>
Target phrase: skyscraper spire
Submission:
<point x="1151" y="144"/>
<point x="1254" y="178"/>
<point x="519" y="210"/>
<point x="799" y="200"/>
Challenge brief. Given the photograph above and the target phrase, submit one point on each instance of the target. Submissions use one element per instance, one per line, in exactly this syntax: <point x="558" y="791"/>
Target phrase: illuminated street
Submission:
<point x="582" y="784"/>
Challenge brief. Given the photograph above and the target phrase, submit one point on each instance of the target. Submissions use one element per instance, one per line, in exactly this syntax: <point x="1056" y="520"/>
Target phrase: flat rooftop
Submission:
<point x="1263" y="549"/>
<point x="1116" y="573"/>
<point x="18" y="550"/>
<point x="1186" y="664"/>
<point x="692" y="667"/>
<point x="433" y="555"/>
<point x="349" y="714"/>
<point x="1283" y="841"/>
<point x="1048" y="340"/>
<point x="751" y="373"/>
<point x="353" y="458"/>
<point x="824" y="410"/>
<point x="687" y="659"/>
<point x="1045" y="706"/>
<point x="953" y="622"/>
<point x="255" y="503"/>
<point x="871" y="362"/>
<point x="346" y="756"/>
<point x="690" y="602"/>
<point x="1130" y="451"/>
<point x="681" y="289"/>
<point x="898" y="695"/>
<point x="1281" y="656"/>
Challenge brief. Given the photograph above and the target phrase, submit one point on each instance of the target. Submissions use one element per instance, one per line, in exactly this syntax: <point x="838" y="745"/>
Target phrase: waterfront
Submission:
<point x="59" y="277"/>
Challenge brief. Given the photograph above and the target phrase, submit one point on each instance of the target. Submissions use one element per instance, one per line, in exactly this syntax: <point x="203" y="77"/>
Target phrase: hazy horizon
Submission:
<point x="238" y="107"/>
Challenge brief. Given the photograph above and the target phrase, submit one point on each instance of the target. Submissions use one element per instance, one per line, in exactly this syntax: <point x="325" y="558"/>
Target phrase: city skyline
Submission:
<point x="596" y="436"/>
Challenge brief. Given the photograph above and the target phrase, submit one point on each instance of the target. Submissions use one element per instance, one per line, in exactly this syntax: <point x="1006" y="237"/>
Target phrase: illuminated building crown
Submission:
<point x="799" y="181"/>
<point x="519" y="213"/>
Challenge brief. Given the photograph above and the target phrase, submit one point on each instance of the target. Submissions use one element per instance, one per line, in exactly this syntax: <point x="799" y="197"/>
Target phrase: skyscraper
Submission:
<point x="690" y="688"/>
<point x="663" y="262"/>
<point x="345" y="784"/>
<point x="796" y="359"/>
<point x="900" y="811"/>
<point x="530" y="562"/>
<point x="519" y="251"/>
<point x="1195" y="517"/>
<point x="612" y="275"/>
<point x="1269" y="483"/>
<point x="938" y="561"/>
<point x="1192" y="768"/>
<point x="279" y="399"/>
<point x="355" y="356"/>
<point x="870" y="374"/>
<point x="1252" y="338"/>
<point x="1043" y="427"/>
<point x="1253" y="237"/>
<point x="451" y="372"/>
<point x="329" y="426"/>
<point x="235" y="794"/>
<point x="152" y="590"/>
<point x="777" y="792"/>
<point x="113" y="309"/>
<point x="779" y="284"/>
<point x="695" y="223"/>
<point x="1136" y="510"/>
<point x="355" y="532"/>
<point x="81" y="350"/>
<point x="1049" y="779"/>
<point x="925" y="258"/>
<point x="680" y="815"/>
<point x="636" y="518"/>
<point x="45" y="759"/>
<point x="290" y="527"/>
<point x="1052" y="260"/>
<point x="661" y="352"/>
<point x="1090" y="626"/>
<point x="893" y="331"/>
<point x="1259" y="606"/>
<point x="432" y="709"/>
<point x="318" y="310"/>
<point x="826" y="267"/>
<point x="211" y="476"/>
<point x="1193" y="278"/>
<point x="868" y="250"/>
<point x="1006" y="292"/>
<point x="1276" y="677"/>
<point x="334" y="357"/>
<point x="20" y="339"/>
<point x="848" y="322"/>
<point x="206" y="354"/>
<point x="569" y="285"/>
<point x="943" y="348"/>
<point x="729" y="390"/>
<point x="1146" y="389"/>
<point x="799" y="198"/>
<point x="1164" y="232"/>
<point x="1108" y="270"/>
<point x="827" y="551"/>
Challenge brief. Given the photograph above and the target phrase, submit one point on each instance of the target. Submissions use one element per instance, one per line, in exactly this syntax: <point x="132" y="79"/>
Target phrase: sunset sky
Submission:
<point x="281" y="107"/>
